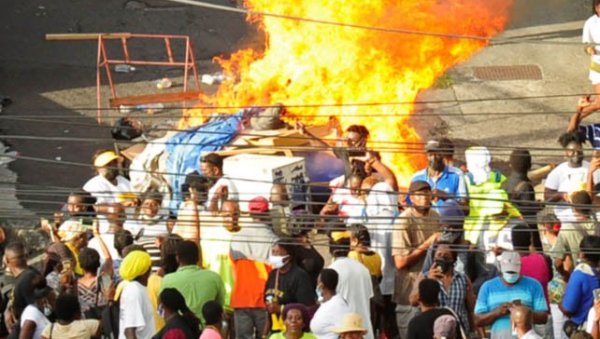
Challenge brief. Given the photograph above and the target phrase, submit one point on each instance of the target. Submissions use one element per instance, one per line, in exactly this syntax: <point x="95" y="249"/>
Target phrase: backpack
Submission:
<point x="110" y="320"/>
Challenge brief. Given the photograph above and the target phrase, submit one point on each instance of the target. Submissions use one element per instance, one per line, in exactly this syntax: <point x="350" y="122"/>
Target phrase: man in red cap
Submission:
<point x="250" y="251"/>
<point x="256" y="237"/>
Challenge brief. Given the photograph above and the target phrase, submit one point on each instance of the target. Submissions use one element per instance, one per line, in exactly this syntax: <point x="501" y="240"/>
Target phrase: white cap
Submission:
<point x="510" y="261"/>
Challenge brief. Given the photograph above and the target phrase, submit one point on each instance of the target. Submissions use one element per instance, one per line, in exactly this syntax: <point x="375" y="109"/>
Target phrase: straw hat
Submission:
<point x="352" y="322"/>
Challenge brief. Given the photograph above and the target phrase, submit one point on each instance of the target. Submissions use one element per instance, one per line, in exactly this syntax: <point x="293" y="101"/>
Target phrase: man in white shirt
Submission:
<point x="115" y="217"/>
<point x="256" y="237"/>
<point x="354" y="284"/>
<point x="569" y="176"/>
<point x="136" y="315"/>
<point x="108" y="186"/>
<point x="522" y="323"/>
<point x="211" y="165"/>
<point x="332" y="306"/>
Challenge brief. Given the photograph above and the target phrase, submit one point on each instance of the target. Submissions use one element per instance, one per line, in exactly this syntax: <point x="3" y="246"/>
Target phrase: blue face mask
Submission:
<point x="510" y="278"/>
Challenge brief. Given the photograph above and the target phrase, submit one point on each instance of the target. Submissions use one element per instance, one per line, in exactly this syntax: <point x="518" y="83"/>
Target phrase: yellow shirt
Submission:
<point x="77" y="269"/>
<point x="371" y="260"/>
<point x="153" y="291"/>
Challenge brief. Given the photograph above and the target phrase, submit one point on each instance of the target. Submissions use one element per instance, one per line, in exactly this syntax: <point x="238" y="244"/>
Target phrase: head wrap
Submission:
<point x="135" y="264"/>
<point x="478" y="163"/>
<point x="70" y="230"/>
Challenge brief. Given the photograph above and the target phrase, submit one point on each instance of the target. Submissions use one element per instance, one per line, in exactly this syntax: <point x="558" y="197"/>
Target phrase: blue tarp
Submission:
<point x="185" y="148"/>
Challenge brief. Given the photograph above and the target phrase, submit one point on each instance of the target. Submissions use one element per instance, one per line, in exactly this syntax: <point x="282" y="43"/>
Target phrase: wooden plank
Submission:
<point x="133" y="151"/>
<point x="84" y="36"/>
<point x="154" y="98"/>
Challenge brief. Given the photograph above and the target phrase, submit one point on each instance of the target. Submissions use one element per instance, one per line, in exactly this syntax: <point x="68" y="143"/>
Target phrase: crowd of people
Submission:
<point x="465" y="251"/>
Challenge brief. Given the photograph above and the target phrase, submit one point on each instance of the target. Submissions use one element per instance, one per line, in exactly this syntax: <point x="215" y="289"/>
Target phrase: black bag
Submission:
<point x="110" y="320"/>
<point x="125" y="129"/>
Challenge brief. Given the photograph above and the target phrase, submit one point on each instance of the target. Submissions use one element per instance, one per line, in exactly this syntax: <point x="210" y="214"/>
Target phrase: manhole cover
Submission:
<point x="513" y="72"/>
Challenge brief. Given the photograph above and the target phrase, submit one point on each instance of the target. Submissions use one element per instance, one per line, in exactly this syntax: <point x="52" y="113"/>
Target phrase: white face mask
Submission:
<point x="47" y="310"/>
<point x="277" y="261"/>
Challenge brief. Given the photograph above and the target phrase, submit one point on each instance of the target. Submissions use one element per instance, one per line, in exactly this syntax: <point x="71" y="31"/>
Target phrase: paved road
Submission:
<point x="50" y="78"/>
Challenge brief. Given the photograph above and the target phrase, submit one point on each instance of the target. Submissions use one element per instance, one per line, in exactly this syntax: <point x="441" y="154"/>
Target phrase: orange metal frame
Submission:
<point x="104" y="62"/>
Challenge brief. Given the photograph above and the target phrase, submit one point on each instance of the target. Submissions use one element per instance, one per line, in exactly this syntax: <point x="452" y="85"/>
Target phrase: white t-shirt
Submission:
<point x="109" y="240"/>
<point x="589" y="324"/>
<point x="104" y="191"/>
<point x="350" y="207"/>
<point x="531" y="335"/>
<point x="136" y="311"/>
<point x="356" y="287"/>
<point x="327" y="317"/>
<point x="32" y="313"/>
<point x="232" y="191"/>
<point x="566" y="179"/>
<point x="591" y="34"/>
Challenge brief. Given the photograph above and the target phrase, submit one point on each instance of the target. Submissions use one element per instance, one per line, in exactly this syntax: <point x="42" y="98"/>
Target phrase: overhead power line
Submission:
<point x="374" y="28"/>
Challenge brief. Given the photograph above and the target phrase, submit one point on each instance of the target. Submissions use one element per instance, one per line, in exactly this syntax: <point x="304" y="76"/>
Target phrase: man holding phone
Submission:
<point x="497" y="296"/>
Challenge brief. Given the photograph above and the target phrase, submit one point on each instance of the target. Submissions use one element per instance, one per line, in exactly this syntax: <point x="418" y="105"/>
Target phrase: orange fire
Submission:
<point x="307" y="63"/>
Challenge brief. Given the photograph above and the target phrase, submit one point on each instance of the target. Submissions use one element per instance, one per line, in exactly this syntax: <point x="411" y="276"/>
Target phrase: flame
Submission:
<point x="307" y="63"/>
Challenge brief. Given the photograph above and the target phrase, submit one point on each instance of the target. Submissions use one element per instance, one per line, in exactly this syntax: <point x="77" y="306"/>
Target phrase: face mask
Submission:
<point x="443" y="264"/>
<point x="319" y="294"/>
<point x="276" y="261"/>
<point x="450" y="236"/>
<point x="47" y="310"/>
<point x="510" y="278"/>
<point x="161" y="311"/>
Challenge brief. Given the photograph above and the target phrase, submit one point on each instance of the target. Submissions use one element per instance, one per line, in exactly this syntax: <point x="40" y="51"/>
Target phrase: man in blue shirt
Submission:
<point x="579" y="295"/>
<point x="446" y="182"/>
<point x="498" y="295"/>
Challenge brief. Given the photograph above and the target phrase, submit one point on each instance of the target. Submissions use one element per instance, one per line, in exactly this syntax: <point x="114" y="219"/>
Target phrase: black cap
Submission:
<point x="418" y="186"/>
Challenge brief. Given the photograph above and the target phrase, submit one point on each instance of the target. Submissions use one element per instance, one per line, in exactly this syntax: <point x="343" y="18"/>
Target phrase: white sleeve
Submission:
<point x="28" y="314"/>
<point x="587" y="36"/>
<point x="596" y="176"/>
<point x="132" y="308"/>
<point x="589" y="326"/>
<point x="553" y="181"/>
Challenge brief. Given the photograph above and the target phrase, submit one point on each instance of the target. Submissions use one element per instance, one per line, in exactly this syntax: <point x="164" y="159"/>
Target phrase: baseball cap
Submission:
<point x="510" y="261"/>
<point x="451" y="213"/>
<point x="433" y="146"/>
<point x="258" y="205"/>
<point x="105" y="158"/>
<point x="444" y="326"/>
<point x="418" y="186"/>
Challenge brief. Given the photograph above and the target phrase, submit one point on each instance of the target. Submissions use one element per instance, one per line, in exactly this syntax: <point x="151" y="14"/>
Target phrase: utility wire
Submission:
<point x="373" y="28"/>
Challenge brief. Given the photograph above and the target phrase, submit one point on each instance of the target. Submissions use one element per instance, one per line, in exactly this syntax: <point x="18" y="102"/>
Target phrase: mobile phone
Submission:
<point x="66" y="264"/>
<point x="597" y="294"/>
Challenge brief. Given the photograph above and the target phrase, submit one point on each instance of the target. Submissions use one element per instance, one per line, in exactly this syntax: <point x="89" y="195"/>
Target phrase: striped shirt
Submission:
<point x="149" y="244"/>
